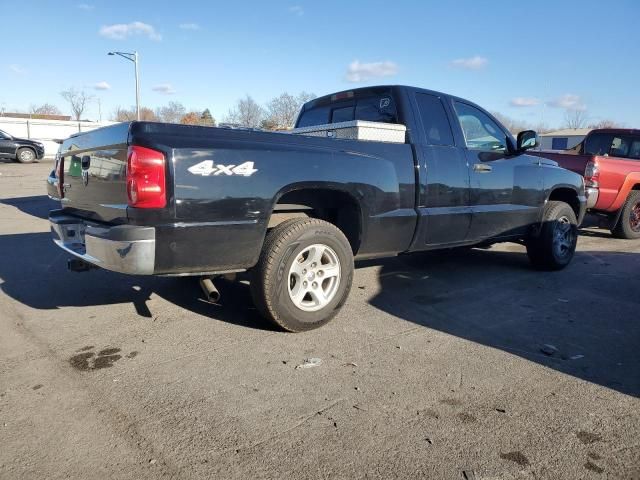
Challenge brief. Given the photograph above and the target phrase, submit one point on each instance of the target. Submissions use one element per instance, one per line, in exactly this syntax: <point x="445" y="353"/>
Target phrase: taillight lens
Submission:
<point x="146" y="186"/>
<point x="60" y="174"/>
<point x="591" y="174"/>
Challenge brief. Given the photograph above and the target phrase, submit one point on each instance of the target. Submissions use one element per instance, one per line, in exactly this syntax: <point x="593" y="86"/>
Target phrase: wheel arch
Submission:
<point x="328" y="202"/>
<point x="28" y="147"/>
<point x="567" y="195"/>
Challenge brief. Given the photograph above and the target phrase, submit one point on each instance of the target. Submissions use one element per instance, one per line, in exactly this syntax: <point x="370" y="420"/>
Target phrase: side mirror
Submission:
<point x="527" y="139"/>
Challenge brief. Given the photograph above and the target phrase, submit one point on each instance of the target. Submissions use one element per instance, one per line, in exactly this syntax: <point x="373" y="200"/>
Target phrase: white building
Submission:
<point x="562" y="139"/>
<point x="46" y="131"/>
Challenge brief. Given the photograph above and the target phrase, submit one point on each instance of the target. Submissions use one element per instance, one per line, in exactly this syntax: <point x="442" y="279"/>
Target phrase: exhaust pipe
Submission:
<point x="77" y="265"/>
<point x="211" y="293"/>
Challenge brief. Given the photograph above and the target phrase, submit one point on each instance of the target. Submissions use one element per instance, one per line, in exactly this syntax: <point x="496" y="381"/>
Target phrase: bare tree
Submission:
<point x="575" y="119"/>
<point x="171" y="113"/>
<point x="44" y="109"/>
<point x="283" y="110"/>
<point x="128" y="115"/>
<point x="78" y="100"/>
<point x="246" y="113"/>
<point x="513" y="125"/>
<point x="606" y="124"/>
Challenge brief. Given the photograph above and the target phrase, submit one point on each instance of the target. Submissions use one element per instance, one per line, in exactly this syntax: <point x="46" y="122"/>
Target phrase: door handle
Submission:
<point x="482" y="168"/>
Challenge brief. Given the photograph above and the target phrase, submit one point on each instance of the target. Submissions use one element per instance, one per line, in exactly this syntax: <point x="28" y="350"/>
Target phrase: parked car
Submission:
<point x="295" y="210"/>
<point x="20" y="149"/>
<point x="609" y="160"/>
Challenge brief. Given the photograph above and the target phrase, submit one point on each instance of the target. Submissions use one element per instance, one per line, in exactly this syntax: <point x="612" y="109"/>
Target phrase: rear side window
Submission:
<point x="436" y="125"/>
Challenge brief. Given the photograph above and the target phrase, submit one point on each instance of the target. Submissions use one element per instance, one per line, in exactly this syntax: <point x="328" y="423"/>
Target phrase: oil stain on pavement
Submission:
<point x="87" y="360"/>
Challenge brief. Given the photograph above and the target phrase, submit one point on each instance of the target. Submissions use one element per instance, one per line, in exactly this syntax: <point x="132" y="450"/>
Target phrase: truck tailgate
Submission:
<point x="93" y="174"/>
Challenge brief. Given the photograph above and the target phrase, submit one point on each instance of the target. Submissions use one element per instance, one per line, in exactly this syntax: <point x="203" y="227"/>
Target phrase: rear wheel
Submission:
<point x="26" y="155"/>
<point x="554" y="246"/>
<point x="304" y="274"/>
<point x="628" y="225"/>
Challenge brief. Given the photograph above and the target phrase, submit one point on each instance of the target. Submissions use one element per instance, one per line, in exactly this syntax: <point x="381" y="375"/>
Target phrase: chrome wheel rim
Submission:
<point x="634" y="218"/>
<point x="314" y="277"/>
<point x="563" y="237"/>
<point x="26" y="155"/>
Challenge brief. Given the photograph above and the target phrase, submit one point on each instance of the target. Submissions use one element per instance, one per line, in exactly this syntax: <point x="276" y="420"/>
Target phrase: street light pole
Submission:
<point x="133" y="57"/>
<point x="135" y="61"/>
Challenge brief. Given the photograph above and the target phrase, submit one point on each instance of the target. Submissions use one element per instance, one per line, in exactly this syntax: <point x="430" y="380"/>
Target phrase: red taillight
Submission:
<point x="146" y="187"/>
<point x="60" y="175"/>
<point x="591" y="174"/>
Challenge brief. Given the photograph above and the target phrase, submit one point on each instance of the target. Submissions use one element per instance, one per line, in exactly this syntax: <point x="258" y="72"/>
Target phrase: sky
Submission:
<point x="531" y="61"/>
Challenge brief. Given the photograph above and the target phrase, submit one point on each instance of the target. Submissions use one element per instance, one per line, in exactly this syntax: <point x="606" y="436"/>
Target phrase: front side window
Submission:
<point x="3" y="136"/>
<point x="480" y="131"/>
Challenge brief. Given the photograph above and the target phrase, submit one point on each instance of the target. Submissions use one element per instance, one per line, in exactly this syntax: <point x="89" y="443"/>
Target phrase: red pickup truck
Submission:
<point x="609" y="160"/>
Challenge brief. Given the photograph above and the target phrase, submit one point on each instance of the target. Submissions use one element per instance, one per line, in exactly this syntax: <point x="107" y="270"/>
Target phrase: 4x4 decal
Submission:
<point x="207" y="168"/>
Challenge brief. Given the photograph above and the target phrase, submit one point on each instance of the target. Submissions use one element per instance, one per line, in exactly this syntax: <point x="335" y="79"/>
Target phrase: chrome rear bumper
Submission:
<point x="122" y="248"/>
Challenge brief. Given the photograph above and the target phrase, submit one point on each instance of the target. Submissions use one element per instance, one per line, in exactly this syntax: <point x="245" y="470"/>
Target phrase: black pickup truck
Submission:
<point x="294" y="210"/>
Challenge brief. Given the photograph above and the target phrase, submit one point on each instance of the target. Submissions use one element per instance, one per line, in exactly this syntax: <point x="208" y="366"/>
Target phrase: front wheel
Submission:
<point x="26" y="155"/>
<point x="554" y="246"/>
<point x="628" y="225"/>
<point x="304" y="274"/>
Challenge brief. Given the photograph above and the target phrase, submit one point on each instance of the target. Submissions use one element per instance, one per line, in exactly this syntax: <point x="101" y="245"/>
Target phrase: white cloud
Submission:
<point x="472" y="63"/>
<point x="85" y="6"/>
<point x="361" y="72"/>
<point x="164" y="88"/>
<point x="102" y="86"/>
<point x="17" y="69"/>
<point x="524" y="102"/>
<point x="568" y="101"/>
<point x="189" y="26"/>
<point x="120" y="31"/>
<point x="297" y="10"/>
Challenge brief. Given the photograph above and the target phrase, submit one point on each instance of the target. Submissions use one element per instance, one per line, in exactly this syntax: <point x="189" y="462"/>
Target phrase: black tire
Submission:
<point x="25" y="155"/>
<point x="271" y="278"/>
<point x="555" y="244"/>
<point x="628" y="225"/>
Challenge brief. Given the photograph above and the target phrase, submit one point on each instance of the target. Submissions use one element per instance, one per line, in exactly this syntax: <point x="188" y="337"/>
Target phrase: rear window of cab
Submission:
<point x="376" y="108"/>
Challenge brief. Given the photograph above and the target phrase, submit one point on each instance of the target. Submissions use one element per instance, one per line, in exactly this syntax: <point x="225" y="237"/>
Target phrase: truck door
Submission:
<point x="443" y="199"/>
<point x="506" y="189"/>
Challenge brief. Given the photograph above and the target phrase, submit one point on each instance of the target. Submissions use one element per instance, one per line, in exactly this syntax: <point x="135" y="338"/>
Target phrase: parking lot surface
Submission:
<point x="442" y="365"/>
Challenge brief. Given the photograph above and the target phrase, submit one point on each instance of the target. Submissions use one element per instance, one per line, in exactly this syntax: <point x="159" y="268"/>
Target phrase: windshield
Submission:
<point x="4" y="135"/>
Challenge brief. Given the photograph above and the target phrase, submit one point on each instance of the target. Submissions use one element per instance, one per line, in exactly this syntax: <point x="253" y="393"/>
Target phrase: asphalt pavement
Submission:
<point x="452" y="365"/>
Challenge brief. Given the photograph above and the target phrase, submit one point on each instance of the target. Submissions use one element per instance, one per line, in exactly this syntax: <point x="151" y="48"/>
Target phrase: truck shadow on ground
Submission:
<point x="581" y="321"/>
<point x="36" y="275"/>
<point x="37" y="206"/>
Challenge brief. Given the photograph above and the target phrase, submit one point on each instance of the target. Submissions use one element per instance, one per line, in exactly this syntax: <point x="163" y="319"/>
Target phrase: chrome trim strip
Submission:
<point x="212" y="224"/>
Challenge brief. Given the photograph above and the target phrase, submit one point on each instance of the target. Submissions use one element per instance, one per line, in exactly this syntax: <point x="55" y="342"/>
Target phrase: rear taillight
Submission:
<point x="146" y="186"/>
<point x="591" y="174"/>
<point x="60" y="175"/>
